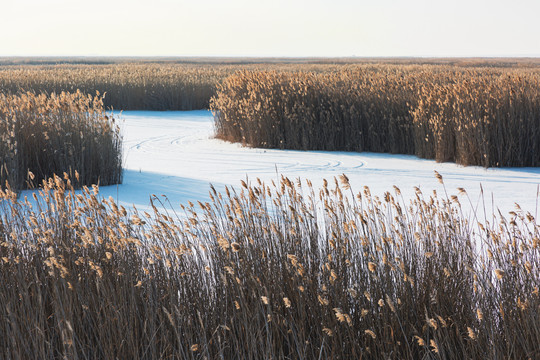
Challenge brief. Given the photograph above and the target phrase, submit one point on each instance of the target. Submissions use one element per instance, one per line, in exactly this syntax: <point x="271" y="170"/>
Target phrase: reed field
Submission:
<point x="69" y="133"/>
<point x="137" y="86"/>
<point x="487" y="117"/>
<point x="131" y="85"/>
<point x="355" y="109"/>
<point x="482" y="118"/>
<point x="469" y="111"/>
<point x="278" y="270"/>
<point x="260" y="273"/>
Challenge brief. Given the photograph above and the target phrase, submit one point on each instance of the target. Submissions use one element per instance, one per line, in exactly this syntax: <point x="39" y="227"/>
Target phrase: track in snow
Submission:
<point x="174" y="153"/>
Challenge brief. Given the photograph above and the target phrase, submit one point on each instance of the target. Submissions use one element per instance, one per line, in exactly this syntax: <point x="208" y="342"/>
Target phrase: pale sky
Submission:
<point x="293" y="28"/>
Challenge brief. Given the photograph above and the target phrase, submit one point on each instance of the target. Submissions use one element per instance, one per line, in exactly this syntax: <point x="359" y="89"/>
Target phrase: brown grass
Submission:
<point x="357" y="109"/>
<point x="483" y="118"/>
<point x="57" y="134"/>
<point x="133" y="85"/>
<point x="261" y="273"/>
<point x="470" y="111"/>
<point x="137" y="86"/>
<point x="487" y="117"/>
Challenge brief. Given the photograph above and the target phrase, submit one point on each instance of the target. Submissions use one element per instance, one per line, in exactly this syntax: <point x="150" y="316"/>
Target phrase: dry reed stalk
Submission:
<point x="58" y="134"/>
<point x="80" y="277"/>
<point x="487" y="117"/>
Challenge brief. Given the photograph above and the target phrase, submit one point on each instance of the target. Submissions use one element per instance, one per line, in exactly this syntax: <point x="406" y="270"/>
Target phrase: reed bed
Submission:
<point x="266" y="271"/>
<point x="482" y="118"/>
<point x="357" y="109"/>
<point x="134" y="85"/>
<point x="188" y="84"/>
<point x="488" y="117"/>
<point x="66" y="133"/>
<point x="473" y="112"/>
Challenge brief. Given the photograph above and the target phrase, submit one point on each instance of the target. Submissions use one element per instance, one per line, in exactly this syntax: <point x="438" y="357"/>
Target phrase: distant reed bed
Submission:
<point x="134" y="85"/>
<point x="137" y="86"/>
<point x="261" y="273"/>
<point x="61" y="133"/>
<point x="471" y="112"/>
<point x="487" y="117"/>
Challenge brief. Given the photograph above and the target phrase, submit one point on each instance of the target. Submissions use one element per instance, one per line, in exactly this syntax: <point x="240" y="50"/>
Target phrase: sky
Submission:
<point x="277" y="28"/>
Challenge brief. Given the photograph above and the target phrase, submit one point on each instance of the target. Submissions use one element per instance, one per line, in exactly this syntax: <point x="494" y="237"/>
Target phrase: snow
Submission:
<point x="174" y="154"/>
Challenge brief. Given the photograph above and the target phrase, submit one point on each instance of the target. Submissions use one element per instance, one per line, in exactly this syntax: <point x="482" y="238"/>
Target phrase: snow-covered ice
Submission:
<point x="175" y="154"/>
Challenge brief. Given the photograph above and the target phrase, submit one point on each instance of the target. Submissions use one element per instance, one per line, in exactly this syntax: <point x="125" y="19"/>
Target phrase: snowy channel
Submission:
<point x="176" y="155"/>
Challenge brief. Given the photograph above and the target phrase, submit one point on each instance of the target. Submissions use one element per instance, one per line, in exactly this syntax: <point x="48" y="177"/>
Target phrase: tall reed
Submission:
<point x="65" y="133"/>
<point x="481" y="118"/>
<point x="465" y="112"/>
<point x="266" y="271"/>
<point x="137" y="86"/>
<point x="358" y="109"/>
<point x="487" y="117"/>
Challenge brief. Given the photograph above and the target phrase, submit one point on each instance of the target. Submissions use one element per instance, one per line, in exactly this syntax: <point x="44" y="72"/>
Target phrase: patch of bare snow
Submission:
<point x="175" y="154"/>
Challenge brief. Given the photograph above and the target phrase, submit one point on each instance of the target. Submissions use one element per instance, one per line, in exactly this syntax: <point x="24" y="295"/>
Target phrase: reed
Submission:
<point x="137" y="86"/>
<point x="488" y="117"/>
<point x="359" y="109"/>
<point x="482" y="118"/>
<point x="473" y="112"/>
<point x="66" y="133"/>
<point x="133" y="85"/>
<point x="266" y="271"/>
